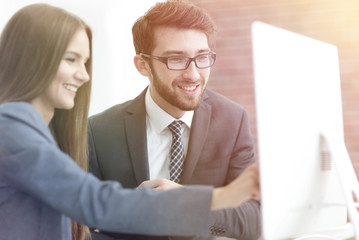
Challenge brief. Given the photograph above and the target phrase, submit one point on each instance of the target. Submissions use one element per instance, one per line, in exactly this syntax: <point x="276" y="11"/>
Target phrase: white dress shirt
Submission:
<point x="159" y="137"/>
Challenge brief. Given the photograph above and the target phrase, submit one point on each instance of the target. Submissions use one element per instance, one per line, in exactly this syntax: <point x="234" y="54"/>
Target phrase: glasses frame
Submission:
<point x="189" y="60"/>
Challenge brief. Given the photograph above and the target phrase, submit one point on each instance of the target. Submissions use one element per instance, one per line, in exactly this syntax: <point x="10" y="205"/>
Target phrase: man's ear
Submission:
<point x="142" y="66"/>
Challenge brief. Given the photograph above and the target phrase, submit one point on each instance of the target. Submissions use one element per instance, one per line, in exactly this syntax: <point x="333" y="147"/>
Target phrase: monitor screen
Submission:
<point x="298" y="100"/>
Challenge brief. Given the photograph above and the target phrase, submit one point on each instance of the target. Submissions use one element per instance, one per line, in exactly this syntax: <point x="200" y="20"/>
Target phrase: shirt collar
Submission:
<point x="160" y="119"/>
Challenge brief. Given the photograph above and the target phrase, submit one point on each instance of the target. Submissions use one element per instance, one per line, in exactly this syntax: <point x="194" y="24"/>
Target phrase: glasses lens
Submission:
<point x="204" y="61"/>
<point x="177" y="63"/>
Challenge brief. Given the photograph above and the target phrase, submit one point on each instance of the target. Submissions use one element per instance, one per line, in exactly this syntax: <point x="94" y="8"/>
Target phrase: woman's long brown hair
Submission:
<point x="32" y="45"/>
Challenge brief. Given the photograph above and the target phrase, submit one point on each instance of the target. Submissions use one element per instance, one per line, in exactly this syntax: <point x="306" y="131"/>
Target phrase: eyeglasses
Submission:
<point x="181" y="63"/>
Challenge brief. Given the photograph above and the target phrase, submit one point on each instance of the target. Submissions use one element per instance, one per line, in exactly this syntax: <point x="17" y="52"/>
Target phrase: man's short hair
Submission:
<point x="172" y="13"/>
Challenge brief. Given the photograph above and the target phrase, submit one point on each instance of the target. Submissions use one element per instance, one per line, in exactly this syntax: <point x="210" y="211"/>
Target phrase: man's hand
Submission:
<point x="243" y="188"/>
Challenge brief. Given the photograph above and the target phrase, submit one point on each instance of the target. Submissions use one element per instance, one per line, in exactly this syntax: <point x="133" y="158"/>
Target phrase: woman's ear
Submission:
<point x="142" y="66"/>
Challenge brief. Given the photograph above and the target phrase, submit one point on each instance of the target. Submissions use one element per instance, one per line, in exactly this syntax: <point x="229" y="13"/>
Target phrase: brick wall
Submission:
<point x="332" y="21"/>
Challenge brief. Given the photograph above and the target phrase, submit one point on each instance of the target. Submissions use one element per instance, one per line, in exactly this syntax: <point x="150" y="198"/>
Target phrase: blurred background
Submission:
<point x="116" y="79"/>
<point x="332" y="21"/>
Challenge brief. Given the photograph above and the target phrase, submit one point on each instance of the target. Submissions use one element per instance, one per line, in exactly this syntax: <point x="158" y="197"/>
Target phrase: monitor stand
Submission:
<point x="335" y="150"/>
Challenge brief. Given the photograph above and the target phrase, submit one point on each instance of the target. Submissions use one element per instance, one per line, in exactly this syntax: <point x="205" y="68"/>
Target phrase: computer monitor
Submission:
<point x="298" y="101"/>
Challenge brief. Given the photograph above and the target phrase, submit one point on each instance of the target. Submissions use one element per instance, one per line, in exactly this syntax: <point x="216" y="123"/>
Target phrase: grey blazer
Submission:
<point x="41" y="188"/>
<point x="220" y="148"/>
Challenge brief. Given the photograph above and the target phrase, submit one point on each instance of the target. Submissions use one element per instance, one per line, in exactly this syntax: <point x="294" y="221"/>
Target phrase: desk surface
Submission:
<point x="344" y="232"/>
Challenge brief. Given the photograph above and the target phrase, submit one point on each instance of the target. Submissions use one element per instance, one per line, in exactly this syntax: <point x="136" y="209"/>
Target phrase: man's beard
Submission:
<point x="171" y="97"/>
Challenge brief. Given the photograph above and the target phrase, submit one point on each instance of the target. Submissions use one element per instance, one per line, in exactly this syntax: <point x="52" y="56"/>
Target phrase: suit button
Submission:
<point x="218" y="231"/>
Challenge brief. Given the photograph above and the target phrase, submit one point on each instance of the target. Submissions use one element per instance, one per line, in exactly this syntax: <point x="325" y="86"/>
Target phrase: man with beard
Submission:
<point x="133" y="142"/>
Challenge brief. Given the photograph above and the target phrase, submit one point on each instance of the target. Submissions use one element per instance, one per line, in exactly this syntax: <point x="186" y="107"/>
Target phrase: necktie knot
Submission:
<point x="175" y="127"/>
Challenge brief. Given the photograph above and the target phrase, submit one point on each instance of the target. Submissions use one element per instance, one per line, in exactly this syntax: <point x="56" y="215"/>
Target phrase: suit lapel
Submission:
<point x="135" y="125"/>
<point x="198" y="135"/>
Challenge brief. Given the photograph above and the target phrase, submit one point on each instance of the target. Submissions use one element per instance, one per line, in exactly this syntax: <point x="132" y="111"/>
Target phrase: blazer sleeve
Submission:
<point x="245" y="221"/>
<point x="32" y="165"/>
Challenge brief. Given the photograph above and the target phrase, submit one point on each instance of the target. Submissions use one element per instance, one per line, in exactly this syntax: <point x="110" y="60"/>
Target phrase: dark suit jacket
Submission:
<point x="220" y="148"/>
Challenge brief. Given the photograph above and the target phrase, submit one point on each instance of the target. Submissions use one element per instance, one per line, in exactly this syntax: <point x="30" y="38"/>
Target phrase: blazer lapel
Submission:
<point x="135" y="125"/>
<point x="198" y="135"/>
